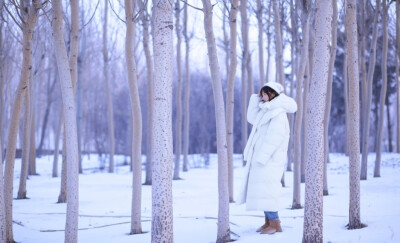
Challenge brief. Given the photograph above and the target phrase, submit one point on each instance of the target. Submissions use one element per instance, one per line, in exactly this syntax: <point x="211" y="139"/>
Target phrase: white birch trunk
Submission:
<point x="150" y="105"/>
<point x="268" y="43"/>
<point x="108" y="89"/>
<point x="346" y="98"/>
<point x="354" y="112"/>
<point x="278" y="45"/>
<point x="397" y="57"/>
<point x="162" y="211"/>
<point x="260" y="24"/>
<point x="371" y="70"/>
<point x="29" y="16"/>
<point x="57" y="144"/>
<point x="136" y="225"/>
<point x="230" y="95"/>
<point x="313" y="213"/>
<point x="329" y="93"/>
<point x="305" y="102"/>
<point x="178" y="128"/>
<point x="377" y="169"/>
<point x="2" y="81"/>
<point x="299" y="115"/>
<point x="223" y="233"/>
<point x="71" y="227"/>
<point x="186" y="117"/>
<point x="25" y="148"/>
<point x="244" y="29"/>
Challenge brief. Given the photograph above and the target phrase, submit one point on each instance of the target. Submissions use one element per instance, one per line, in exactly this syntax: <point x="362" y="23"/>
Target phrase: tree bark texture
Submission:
<point x="26" y="147"/>
<point x="260" y="24"/>
<point x="370" y="76"/>
<point x="278" y="45"/>
<point x="108" y="89"/>
<point x="230" y="95"/>
<point x="178" y="128"/>
<point x="162" y="151"/>
<point x="71" y="227"/>
<point x="313" y="213"/>
<point x="299" y="115"/>
<point x="30" y="17"/>
<point x="57" y="144"/>
<point x="354" y="112"/>
<point x="136" y="225"/>
<point x="186" y="117"/>
<point x="377" y="169"/>
<point x="397" y="57"/>
<point x="223" y="232"/>
<point x="245" y="58"/>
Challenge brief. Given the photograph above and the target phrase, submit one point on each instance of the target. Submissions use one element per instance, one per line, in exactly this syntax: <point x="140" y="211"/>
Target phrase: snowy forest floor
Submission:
<point x="105" y="205"/>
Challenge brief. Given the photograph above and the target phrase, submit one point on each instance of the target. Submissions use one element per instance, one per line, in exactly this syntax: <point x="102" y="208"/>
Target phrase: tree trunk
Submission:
<point x="162" y="210"/>
<point x="377" y="169"/>
<point x="361" y="41"/>
<point x="136" y="225"/>
<point x="278" y="45"/>
<point x="230" y="95"/>
<point x="389" y="125"/>
<point x="260" y="9"/>
<point x="150" y="105"/>
<point x="245" y="58"/>
<point x="109" y="94"/>
<point x="296" y="204"/>
<point x="366" y="120"/>
<point x="268" y="43"/>
<point x="56" y="144"/>
<point x="397" y="57"/>
<point x="305" y="102"/>
<point x="62" y="197"/>
<point x="223" y="234"/>
<point x="30" y="16"/>
<point x="354" y="112"/>
<point x="329" y="93"/>
<point x="32" y="143"/>
<point x="313" y="213"/>
<point x="178" y="128"/>
<point x="187" y="93"/>
<point x="71" y="227"/>
<point x="25" y="149"/>
<point x="2" y="80"/>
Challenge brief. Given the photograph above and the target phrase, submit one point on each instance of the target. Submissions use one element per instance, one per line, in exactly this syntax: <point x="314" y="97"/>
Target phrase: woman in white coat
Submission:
<point x="266" y="153"/>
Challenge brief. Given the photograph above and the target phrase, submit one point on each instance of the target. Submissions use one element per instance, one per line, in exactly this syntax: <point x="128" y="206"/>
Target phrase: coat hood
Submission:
<point x="282" y="101"/>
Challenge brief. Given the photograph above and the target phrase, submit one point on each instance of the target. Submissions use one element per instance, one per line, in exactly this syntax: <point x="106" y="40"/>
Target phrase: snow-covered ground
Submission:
<point x="105" y="204"/>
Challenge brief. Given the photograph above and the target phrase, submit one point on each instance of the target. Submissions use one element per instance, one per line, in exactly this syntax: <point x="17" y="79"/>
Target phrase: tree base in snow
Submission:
<point x="297" y="206"/>
<point x="325" y="192"/>
<point x="359" y="226"/>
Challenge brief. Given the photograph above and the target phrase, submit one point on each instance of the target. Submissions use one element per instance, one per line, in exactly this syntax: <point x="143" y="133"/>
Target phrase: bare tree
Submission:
<point x="245" y="58"/>
<point x="178" y="128"/>
<point x="223" y="233"/>
<point x="367" y="108"/>
<point x="26" y="147"/>
<point x="354" y="112"/>
<point x="329" y="93"/>
<point x="260" y="24"/>
<point x="299" y="100"/>
<point x="397" y="57"/>
<point x="313" y="213"/>
<point x="56" y="144"/>
<point x="186" y="117"/>
<point x="377" y="170"/>
<point x="28" y="12"/>
<point x="108" y="85"/>
<point x="230" y="99"/>
<point x="2" y="80"/>
<point x="136" y="117"/>
<point x="71" y="228"/>
<point x="145" y="19"/>
<point x="278" y="45"/>
<point x="162" y="211"/>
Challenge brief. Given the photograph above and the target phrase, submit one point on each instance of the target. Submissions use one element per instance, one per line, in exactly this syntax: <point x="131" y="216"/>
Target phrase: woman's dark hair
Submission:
<point x="269" y="91"/>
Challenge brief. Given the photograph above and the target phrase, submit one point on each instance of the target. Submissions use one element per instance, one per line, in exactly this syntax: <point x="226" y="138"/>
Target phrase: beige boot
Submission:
<point x="274" y="226"/>
<point x="264" y="226"/>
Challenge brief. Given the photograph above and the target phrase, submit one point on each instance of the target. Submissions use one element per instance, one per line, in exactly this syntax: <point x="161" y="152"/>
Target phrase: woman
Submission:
<point x="266" y="153"/>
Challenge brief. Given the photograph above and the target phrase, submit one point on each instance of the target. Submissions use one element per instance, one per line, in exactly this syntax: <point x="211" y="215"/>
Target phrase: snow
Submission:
<point x="105" y="205"/>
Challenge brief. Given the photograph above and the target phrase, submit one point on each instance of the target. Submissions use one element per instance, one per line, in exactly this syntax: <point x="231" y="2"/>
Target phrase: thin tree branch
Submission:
<point x="91" y="17"/>
<point x="115" y="12"/>
<point x="12" y="33"/>
<point x="12" y="16"/>
<point x="192" y="5"/>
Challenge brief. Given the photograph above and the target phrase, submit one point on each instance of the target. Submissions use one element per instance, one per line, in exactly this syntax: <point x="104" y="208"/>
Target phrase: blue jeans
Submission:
<point x="271" y="215"/>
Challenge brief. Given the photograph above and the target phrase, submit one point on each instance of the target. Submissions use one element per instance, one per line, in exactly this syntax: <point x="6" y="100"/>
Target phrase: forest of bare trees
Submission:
<point x="156" y="81"/>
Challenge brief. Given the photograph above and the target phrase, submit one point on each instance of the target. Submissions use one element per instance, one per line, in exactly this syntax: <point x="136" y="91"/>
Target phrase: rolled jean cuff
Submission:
<point x="271" y="215"/>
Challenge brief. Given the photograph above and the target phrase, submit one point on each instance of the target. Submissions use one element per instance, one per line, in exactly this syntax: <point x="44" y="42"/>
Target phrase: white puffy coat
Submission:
<point x="266" y="152"/>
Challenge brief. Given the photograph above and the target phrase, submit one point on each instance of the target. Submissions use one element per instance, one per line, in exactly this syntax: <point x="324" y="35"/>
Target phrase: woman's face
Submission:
<point x="264" y="97"/>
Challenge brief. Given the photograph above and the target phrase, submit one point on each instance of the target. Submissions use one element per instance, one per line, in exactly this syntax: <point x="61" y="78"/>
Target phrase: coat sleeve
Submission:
<point x="253" y="108"/>
<point x="276" y="134"/>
